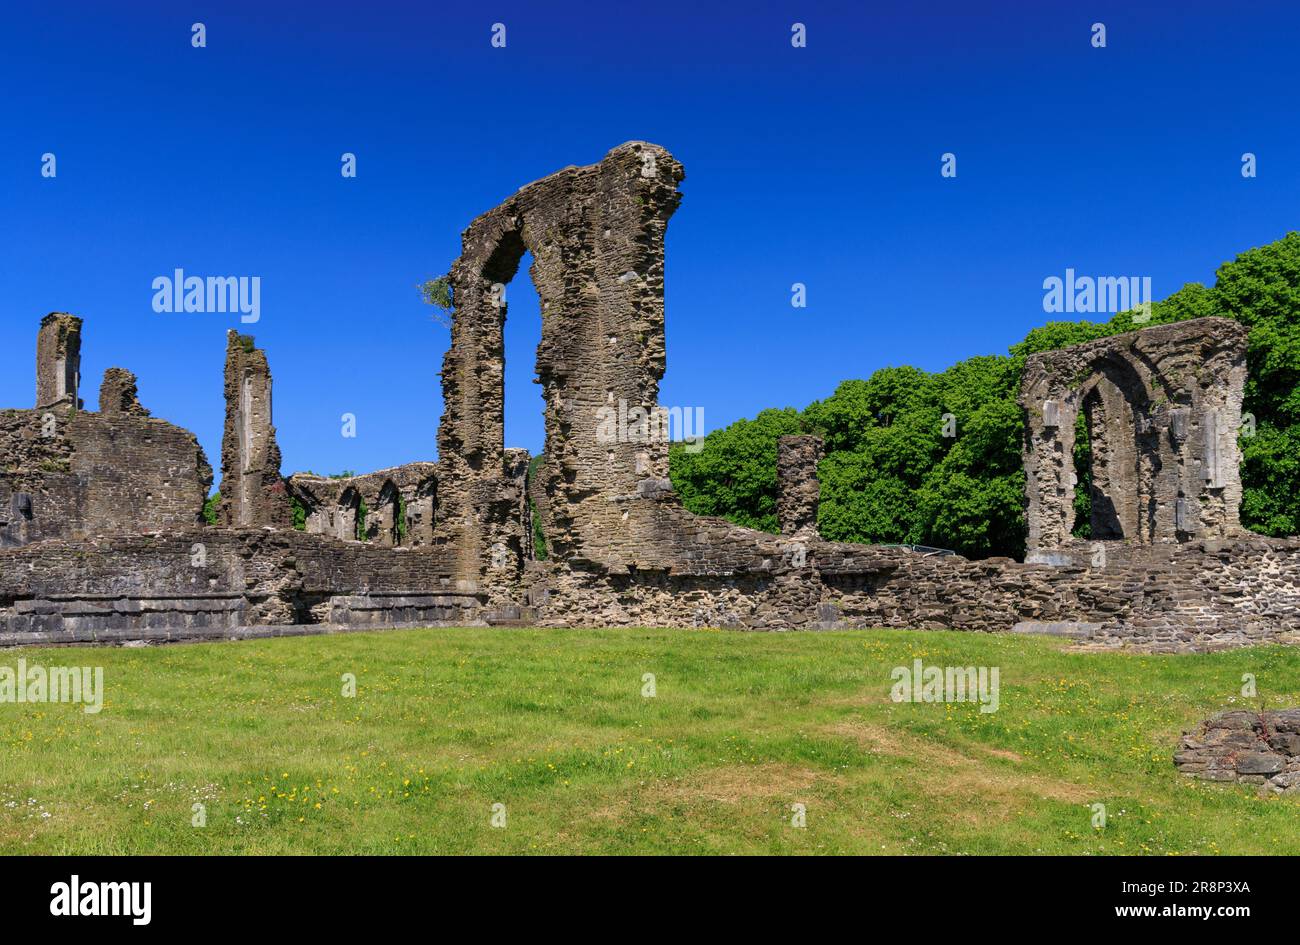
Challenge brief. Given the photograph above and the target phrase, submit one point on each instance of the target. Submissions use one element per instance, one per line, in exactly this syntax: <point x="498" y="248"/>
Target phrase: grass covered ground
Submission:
<point x="553" y="725"/>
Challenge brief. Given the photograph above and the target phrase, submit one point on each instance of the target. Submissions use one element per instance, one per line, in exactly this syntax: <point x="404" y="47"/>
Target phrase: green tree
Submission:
<point x="734" y="472"/>
<point x="892" y="475"/>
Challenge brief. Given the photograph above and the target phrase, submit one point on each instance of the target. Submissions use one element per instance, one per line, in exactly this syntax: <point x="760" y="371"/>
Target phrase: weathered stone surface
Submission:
<point x="118" y="396"/>
<point x="1163" y="407"/>
<point x="798" y="489"/>
<point x="596" y="236"/>
<point x="58" y="361"/>
<point x="1260" y="762"/>
<point x="1243" y="746"/>
<point x="252" y="490"/>
<point x="69" y="473"/>
<point x="1074" y="629"/>
<point x="452" y="541"/>
<point x="401" y="505"/>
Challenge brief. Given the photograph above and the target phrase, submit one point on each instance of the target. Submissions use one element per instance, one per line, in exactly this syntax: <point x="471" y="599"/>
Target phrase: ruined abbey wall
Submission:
<point x="252" y="490"/>
<point x="68" y="473"/>
<point x="596" y="236"/>
<point x="1167" y="566"/>
<point x="1163" y="409"/>
<point x="216" y="583"/>
<point x="400" y="505"/>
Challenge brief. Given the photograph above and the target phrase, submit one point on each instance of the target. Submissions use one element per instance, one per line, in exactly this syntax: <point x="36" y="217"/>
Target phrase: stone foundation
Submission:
<point x="1260" y="748"/>
<point x="213" y="583"/>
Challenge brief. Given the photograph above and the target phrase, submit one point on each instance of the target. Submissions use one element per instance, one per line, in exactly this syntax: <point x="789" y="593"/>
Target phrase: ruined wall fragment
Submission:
<point x="798" y="489"/>
<point x="596" y="235"/>
<point x="401" y="503"/>
<point x="1163" y="406"/>
<point x="71" y="473"/>
<point x="118" y="395"/>
<point x="252" y="490"/>
<point x="58" y="361"/>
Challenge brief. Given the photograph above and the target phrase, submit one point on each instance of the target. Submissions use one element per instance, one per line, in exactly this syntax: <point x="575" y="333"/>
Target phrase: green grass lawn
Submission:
<point x="553" y="725"/>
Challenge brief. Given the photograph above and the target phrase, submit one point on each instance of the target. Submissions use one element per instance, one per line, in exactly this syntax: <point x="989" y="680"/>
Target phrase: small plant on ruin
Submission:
<point x="539" y="536"/>
<point x="437" y="292"/>
<point x="299" y="513"/>
<point x="361" y="522"/>
<point x="1083" y="474"/>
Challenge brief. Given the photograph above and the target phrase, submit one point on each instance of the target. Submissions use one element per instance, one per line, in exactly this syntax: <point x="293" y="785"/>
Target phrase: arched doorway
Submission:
<point x="347" y="516"/>
<point x="1116" y="455"/>
<point x="382" y="522"/>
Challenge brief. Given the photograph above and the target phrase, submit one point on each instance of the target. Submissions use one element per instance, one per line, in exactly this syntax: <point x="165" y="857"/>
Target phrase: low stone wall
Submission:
<point x="1195" y="596"/>
<point x="218" y="583"/>
<point x="211" y="582"/>
<point x="1260" y="748"/>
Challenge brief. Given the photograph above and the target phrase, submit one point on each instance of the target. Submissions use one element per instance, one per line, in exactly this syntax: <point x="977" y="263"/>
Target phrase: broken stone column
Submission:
<point x="252" y="491"/>
<point x="58" y="361"/>
<point x="798" y="489"/>
<point x="118" y="396"/>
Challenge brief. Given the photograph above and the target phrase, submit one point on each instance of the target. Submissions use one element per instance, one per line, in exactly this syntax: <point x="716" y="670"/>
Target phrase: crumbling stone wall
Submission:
<point x="67" y="472"/>
<point x="252" y="490"/>
<point x="1163" y="407"/>
<point x="451" y="541"/>
<point x="206" y="583"/>
<point x="58" y="361"/>
<point x="404" y="494"/>
<point x="118" y="396"/>
<point x="1260" y="748"/>
<point x="596" y="237"/>
<point x="798" y="489"/>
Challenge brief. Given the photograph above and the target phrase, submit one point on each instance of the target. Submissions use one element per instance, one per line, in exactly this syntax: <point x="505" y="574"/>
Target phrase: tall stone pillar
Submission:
<point x="596" y="235"/>
<point x="58" y="361"/>
<point x="798" y="489"/>
<point x="252" y="491"/>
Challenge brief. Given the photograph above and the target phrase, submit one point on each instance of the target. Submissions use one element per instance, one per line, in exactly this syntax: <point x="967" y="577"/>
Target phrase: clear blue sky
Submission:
<point x="817" y="165"/>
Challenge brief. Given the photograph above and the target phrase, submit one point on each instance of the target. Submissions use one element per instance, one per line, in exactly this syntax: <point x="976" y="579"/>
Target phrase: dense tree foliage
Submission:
<point x="935" y="458"/>
<point x="734" y="473"/>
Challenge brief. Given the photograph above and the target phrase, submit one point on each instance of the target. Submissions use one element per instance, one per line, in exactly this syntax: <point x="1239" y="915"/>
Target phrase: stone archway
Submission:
<point x="1162" y="407"/>
<point x="596" y="236"/>
<point x="382" y="523"/>
<point x="346" y="514"/>
<point x="1115" y="410"/>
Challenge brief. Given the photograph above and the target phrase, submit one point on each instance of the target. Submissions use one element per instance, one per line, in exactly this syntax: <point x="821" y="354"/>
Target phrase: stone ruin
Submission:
<point x="1162" y="408"/>
<point x="102" y="537"/>
<point x="66" y="473"/>
<point x="1260" y="748"/>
